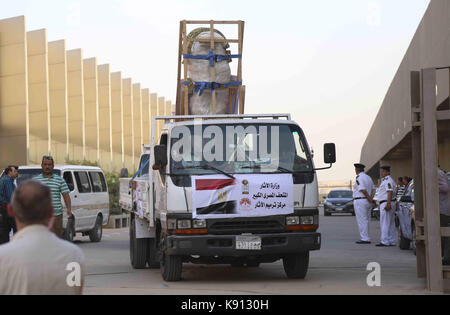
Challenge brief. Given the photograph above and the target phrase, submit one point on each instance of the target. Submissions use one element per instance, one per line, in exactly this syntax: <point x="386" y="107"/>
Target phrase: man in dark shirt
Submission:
<point x="7" y="188"/>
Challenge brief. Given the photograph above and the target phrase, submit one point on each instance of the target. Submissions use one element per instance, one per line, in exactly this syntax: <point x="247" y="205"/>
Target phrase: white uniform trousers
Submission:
<point x="362" y="212"/>
<point x="387" y="224"/>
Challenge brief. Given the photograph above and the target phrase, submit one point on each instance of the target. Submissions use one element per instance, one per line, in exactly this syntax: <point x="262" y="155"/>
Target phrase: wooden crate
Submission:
<point x="182" y="102"/>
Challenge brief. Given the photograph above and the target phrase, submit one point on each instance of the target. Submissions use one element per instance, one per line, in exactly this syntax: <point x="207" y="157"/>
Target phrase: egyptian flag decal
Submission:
<point x="213" y="184"/>
<point x="214" y="196"/>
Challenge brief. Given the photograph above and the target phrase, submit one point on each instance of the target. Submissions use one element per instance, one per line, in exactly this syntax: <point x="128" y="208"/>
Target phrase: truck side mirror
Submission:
<point x="329" y="150"/>
<point x="161" y="156"/>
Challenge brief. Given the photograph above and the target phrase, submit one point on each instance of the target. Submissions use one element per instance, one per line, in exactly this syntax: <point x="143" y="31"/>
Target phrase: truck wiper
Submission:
<point x="279" y="169"/>
<point x="282" y="169"/>
<point x="208" y="167"/>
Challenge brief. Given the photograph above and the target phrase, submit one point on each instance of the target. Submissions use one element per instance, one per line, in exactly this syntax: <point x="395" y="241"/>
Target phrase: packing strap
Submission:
<point x="140" y="170"/>
<point x="199" y="87"/>
<point x="211" y="57"/>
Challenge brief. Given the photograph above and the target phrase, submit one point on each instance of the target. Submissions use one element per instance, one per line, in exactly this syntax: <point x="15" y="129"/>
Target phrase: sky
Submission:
<point x="329" y="63"/>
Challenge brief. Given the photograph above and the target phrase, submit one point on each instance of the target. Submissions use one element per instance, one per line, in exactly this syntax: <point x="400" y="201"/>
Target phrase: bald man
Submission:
<point x="36" y="261"/>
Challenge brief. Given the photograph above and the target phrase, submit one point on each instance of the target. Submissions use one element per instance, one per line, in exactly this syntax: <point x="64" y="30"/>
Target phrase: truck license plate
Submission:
<point x="248" y="242"/>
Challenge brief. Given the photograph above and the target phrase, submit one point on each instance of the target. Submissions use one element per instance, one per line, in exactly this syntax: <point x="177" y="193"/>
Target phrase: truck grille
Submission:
<point x="232" y="227"/>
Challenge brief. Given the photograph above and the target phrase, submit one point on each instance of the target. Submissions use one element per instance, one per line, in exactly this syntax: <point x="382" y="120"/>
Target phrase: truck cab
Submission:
<point x="225" y="189"/>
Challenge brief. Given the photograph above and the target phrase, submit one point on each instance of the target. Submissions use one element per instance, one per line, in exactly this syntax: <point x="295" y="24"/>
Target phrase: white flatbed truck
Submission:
<point x="258" y="204"/>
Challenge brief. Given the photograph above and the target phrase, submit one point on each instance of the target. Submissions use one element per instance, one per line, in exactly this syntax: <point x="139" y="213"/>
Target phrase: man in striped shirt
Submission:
<point x="400" y="189"/>
<point x="57" y="187"/>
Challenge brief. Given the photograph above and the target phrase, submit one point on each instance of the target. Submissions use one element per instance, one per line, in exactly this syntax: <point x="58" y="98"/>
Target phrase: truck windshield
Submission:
<point x="238" y="149"/>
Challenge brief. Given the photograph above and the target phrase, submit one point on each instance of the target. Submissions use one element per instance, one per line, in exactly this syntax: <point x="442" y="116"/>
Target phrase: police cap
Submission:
<point x="359" y="166"/>
<point x="386" y="168"/>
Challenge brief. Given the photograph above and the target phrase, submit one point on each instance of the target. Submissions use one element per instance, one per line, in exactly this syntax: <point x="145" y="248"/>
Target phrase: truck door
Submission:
<point x="140" y="187"/>
<point x="159" y="180"/>
<point x="82" y="200"/>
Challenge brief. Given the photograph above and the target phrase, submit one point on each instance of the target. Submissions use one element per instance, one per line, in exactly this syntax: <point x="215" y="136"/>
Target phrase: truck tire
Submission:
<point x="296" y="266"/>
<point x="95" y="235"/>
<point x="138" y="248"/>
<point x="171" y="266"/>
<point x="153" y="254"/>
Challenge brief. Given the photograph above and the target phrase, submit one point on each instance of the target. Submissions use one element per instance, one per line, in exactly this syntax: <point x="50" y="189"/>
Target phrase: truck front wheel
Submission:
<point x="296" y="265"/>
<point x="171" y="266"/>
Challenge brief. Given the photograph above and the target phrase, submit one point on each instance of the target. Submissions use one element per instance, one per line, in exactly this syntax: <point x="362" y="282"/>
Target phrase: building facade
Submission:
<point x="56" y="102"/>
<point x="389" y="139"/>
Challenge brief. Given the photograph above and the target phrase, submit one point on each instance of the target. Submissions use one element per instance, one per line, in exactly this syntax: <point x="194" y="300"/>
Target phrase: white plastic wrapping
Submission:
<point x="202" y="105"/>
<point x="200" y="71"/>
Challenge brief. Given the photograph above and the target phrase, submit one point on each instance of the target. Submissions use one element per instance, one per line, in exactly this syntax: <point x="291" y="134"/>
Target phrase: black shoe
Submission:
<point x="382" y="245"/>
<point x="446" y="262"/>
<point x="363" y="242"/>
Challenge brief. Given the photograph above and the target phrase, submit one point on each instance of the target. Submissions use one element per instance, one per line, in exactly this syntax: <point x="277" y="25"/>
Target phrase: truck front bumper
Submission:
<point x="225" y="245"/>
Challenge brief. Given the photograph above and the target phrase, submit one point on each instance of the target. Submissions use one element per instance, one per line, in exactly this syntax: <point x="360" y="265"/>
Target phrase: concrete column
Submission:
<point x="128" y="124"/>
<point x="169" y="108"/>
<point x="117" y="121"/>
<point x="105" y="117"/>
<point x="146" y="116"/>
<point x="57" y="67"/>
<point x="161" y="112"/>
<point x="91" y="109"/>
<point x="76" y="112"/>
<point x="38" y="95"/>
<point x="153" y="113"/>
<point x="137" y="118"/>
<point x="14" y="117"/>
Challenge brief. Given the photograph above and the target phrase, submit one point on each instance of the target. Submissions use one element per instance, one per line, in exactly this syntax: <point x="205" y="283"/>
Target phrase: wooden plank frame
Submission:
<point x="182" y="99"/>
<point x="426" y="196"/>
<point x="417" y="160"/>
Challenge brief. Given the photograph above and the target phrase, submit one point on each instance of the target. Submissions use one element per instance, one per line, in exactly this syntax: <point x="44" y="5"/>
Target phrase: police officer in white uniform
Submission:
<point x="363" y="192"/>
<point x="387" y="208"/>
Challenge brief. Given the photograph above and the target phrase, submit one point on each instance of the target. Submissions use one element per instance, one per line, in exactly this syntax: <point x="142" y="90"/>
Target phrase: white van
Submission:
<point x="89" y="196"/>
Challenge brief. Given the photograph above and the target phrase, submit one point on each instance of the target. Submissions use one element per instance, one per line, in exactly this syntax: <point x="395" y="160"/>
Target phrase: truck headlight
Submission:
<point x="199" y="224"/>
<point x="184" y="224"/>
<point x="292" y="220"/>
<point x="307" y="220"/>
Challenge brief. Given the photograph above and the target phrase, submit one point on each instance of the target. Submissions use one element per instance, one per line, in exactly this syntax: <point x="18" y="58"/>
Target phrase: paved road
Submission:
<point x="338" y="268"/>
